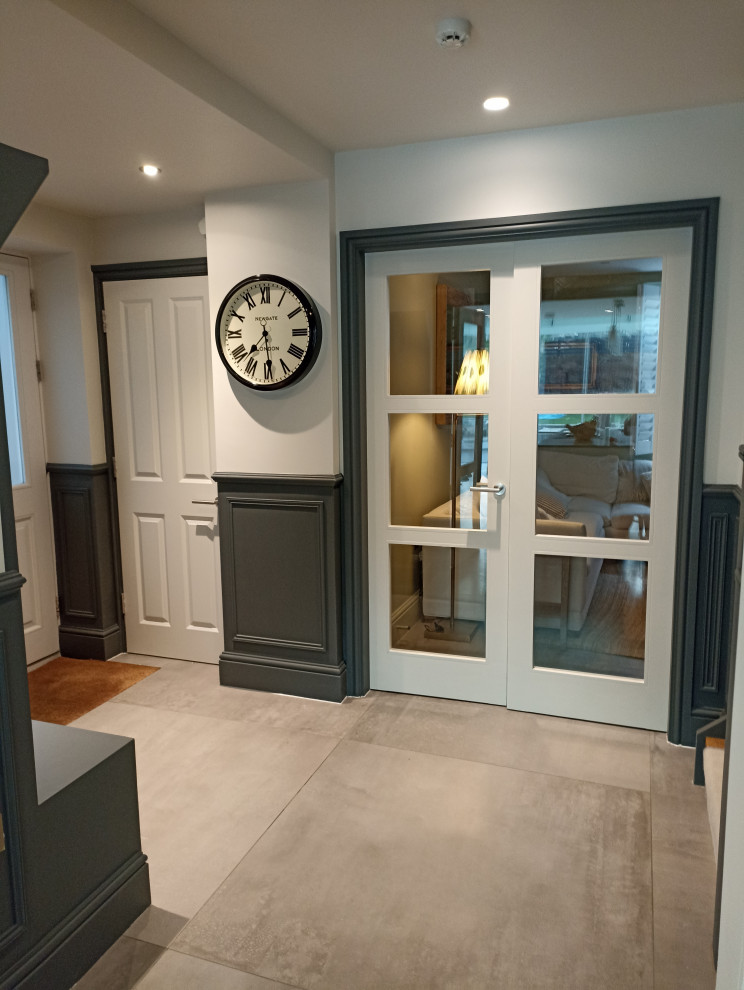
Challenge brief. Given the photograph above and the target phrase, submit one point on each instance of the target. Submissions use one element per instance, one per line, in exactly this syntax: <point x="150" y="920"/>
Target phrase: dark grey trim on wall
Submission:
<point x="280" y="555"/>
<point x="129" y="271"/>
<point x="22" y="173"/>
<point x="12" y="877"/>
<point x="716" y="596"/>
<point x="89" y="608"/>
<point x="701" y="216"/>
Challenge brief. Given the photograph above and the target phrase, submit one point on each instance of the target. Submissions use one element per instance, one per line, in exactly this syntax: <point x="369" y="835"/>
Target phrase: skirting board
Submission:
<point x="264" y="674"/>
<point x="91" y="644"/>
<point x="65" y="955"/>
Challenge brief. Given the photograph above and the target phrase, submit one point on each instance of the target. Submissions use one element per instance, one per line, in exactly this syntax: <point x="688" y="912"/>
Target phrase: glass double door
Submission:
<point x="524" y="430"/>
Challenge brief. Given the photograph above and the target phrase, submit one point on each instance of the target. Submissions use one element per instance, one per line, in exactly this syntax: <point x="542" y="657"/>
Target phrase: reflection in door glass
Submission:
<point x="599" y="327"/>
<point x="590" y="615"/>
<point x="438" y="600"/>
<point x="436" y="319"/>
<point x="594" y="475"/>
<point x="10" y="387"/>
<point x="432" y="456"/>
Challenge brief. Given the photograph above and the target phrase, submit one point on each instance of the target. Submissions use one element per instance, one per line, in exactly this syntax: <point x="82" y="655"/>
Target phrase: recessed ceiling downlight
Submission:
<point x="496" y="103"/>
<point x="151" y="170"/>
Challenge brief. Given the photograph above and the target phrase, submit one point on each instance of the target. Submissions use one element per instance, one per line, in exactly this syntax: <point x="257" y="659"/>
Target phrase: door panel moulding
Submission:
<point x="701" y="216"/>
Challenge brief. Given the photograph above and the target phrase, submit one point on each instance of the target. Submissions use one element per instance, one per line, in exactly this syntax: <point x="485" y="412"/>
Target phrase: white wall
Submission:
<point x="155" y="237"/>
<point x="658" y="157"/>
<point x="730" y="974"/>
<point x="279" y="230"/>
<point x="60" y="248"/>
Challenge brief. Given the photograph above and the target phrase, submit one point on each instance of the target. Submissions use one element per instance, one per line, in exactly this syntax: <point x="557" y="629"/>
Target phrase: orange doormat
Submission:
<point x="63" y="689"/>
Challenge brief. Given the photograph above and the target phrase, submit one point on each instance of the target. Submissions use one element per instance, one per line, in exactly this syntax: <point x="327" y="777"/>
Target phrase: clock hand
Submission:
<point x="262" y="338"/>
<point x="267" y="364"/>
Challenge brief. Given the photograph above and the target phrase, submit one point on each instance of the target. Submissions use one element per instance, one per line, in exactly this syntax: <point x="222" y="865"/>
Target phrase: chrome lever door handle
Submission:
<point x="200" y="501"/>
<point x="497" y="490"/>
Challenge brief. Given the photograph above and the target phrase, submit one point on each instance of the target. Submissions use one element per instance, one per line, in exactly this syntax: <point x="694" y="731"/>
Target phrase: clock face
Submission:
<point x="268" y="332"/>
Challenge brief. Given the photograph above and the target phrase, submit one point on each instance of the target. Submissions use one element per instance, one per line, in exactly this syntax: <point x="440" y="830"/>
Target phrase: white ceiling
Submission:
<point x="228" y="93"/>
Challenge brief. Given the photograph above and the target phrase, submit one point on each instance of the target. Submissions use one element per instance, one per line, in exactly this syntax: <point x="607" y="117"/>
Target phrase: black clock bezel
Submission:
<point x="314" y="336"/>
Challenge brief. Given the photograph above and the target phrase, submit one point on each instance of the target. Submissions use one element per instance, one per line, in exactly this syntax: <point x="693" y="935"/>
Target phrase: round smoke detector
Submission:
<point x="453" y="32"/>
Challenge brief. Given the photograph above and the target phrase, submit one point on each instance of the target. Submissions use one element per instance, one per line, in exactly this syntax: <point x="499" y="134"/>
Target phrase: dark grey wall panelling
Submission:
<point x="716" y="596"/>
<point x="91" y="624"/>
<point x="281" y="584"/>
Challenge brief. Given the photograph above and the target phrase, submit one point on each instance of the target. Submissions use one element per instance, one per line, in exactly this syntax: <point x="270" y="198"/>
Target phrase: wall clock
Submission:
<point x="268" y="332"/>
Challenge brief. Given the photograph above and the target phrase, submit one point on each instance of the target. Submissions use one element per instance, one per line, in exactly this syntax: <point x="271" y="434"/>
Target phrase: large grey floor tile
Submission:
<point x="174" y="971"/>
<point x="395" y="869"/>
<point x="684" y="873"/>
<point x="207" y="789"/>
<point x="121" y="967"/>
<point x="605" y="754"/>
<point x="157" y="926"/>
<point x="195" y="688"/>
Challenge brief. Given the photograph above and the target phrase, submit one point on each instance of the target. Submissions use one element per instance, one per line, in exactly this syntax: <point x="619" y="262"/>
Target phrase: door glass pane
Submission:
<point x="436" y="319"/>
<point x="423" y="593"/>
<point x="432" y="457"/>
<point x="10" y="387"/>
<point x="590" y="615"/>
<point x="599" y="327"/>
<point x="594" y="475"/>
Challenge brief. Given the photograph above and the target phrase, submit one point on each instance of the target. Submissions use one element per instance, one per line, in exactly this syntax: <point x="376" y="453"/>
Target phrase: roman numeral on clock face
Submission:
<point x="234" y="333"/>
<point x="294" y="312"/>
<point x="251" y="366"/>
<point x="250" y="300"/>
<point x="265" y="294"/>
<point x="299" y="332"/>
<point x="285" y="369"/>
<point x="295" y="351"/>
<point x="239" y="353"/>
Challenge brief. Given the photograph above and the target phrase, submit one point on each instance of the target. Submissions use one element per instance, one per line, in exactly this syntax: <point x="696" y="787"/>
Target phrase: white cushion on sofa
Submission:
<point x="581" y="474"/>
<point x="582" y="503"/>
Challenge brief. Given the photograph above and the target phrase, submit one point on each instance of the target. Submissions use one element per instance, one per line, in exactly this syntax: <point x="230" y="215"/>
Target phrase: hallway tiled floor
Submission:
<point x="398" y="843"/>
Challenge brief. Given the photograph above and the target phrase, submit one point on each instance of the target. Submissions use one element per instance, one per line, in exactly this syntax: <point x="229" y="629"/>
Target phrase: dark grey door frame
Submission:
<point x="129" y="271"/>
<point x="701" y="216"/>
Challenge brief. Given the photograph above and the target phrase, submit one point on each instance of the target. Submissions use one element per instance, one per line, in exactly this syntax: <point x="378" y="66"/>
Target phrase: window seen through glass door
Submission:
<point x="599" y="327"/>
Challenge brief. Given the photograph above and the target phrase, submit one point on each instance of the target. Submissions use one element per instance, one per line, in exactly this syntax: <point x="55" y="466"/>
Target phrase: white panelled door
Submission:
<point x="159" y="346"/>
<point x="551" y="588"/>
<point x="18" y="355"/>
